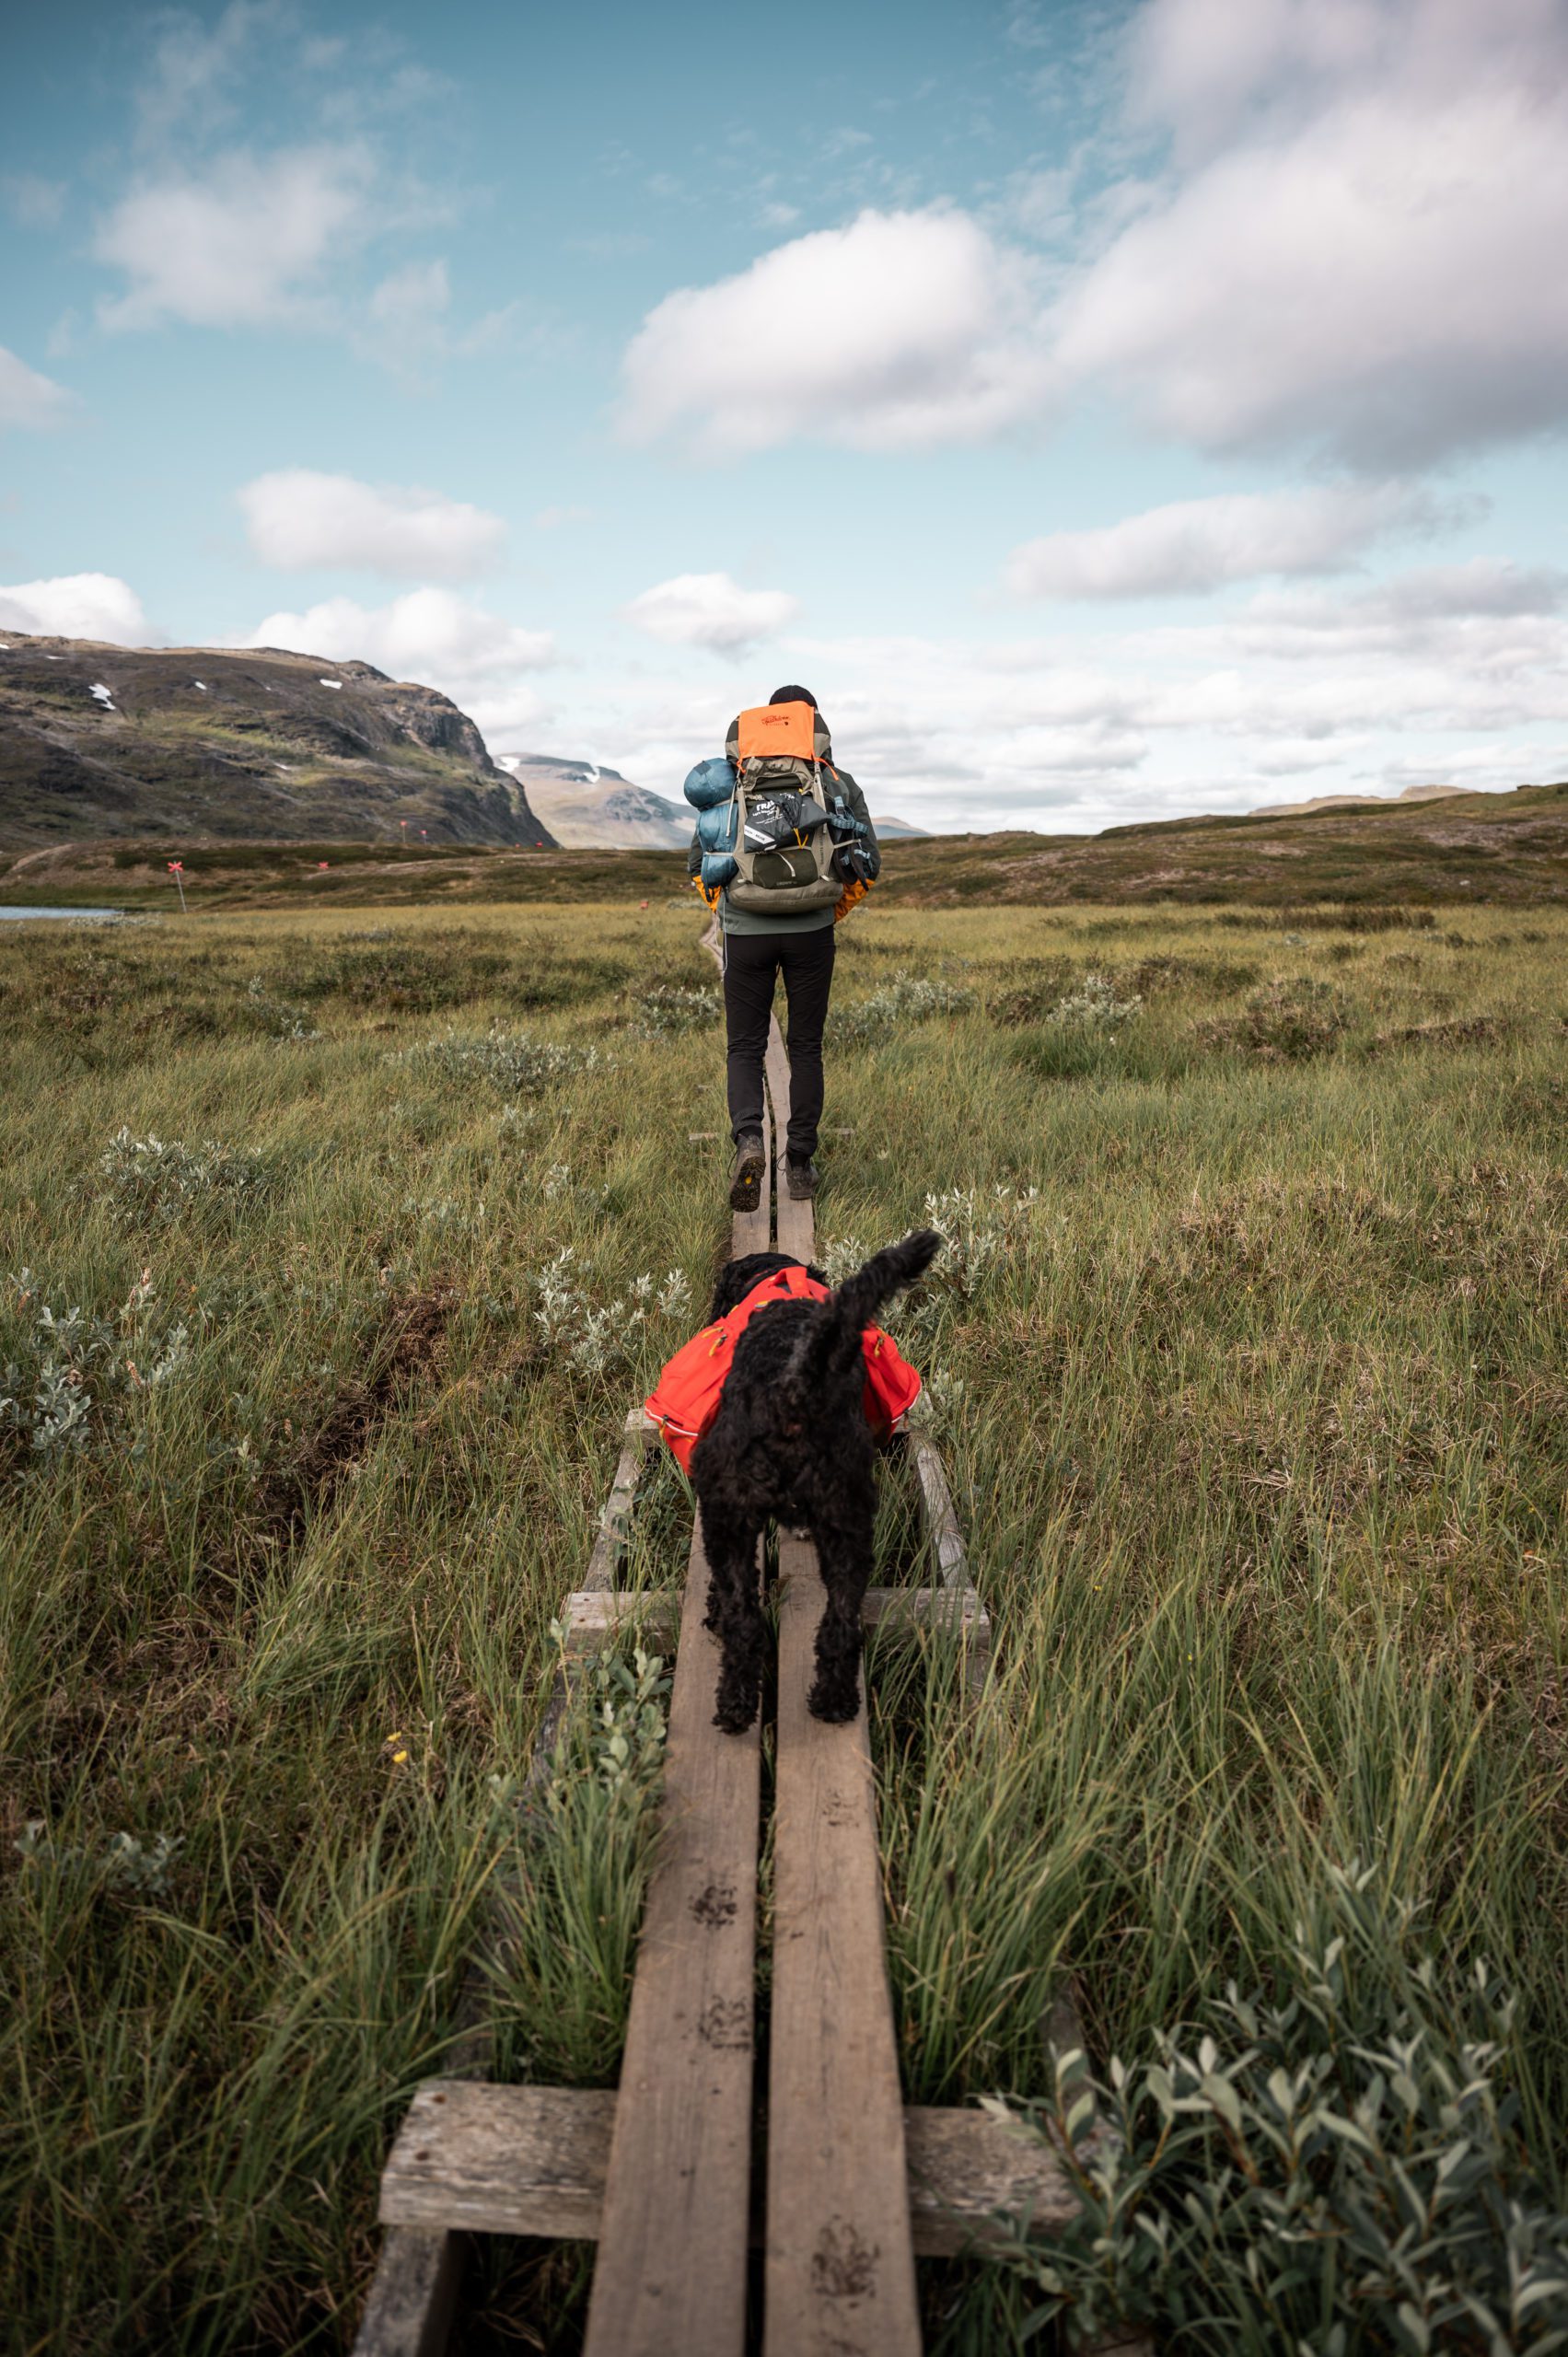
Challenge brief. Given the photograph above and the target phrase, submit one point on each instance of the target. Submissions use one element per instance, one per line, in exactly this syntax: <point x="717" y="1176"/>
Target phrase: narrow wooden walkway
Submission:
<point x="661" y="2173"/>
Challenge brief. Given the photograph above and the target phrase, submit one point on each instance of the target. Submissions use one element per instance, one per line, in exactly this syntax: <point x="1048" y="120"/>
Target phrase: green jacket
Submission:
<point x="806" y="920"/>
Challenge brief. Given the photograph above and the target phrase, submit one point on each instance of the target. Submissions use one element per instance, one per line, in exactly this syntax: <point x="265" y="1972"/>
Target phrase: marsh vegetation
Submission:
<point x="333" y="1249"/>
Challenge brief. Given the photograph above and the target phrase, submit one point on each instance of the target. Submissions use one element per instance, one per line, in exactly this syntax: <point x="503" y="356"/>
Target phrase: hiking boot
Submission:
<point x="746" y="1179"/>
<point x="801" y="1176"/>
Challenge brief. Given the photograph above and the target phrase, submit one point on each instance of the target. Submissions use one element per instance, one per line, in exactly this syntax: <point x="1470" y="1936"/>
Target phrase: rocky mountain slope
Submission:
<point x="590" y="808"/>
<point x="212" y="744"/>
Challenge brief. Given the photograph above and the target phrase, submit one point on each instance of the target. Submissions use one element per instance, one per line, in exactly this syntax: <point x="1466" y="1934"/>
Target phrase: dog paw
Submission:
<point x="734" y="1714"/>
<point x="834" y="1704"/>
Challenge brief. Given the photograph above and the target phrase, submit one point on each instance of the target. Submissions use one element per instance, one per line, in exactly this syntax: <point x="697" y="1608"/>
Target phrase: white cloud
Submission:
<point x="297" y="518"/>
<point x="710" y="610"/>
<point x="1194" y="545"/>
<point x="1360" y="249"/>
<point x="244" y="241"/>
<point x="77" y="605"/>
<point x="1461" y="666"/>
<point x="902" y="329"/>
<point x="1349" y="242"/>
<point x="432" y="636"/>
<point x="27" y="399"/>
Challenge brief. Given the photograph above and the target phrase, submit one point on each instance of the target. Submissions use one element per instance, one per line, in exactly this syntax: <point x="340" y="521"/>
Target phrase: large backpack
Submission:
<point x="782" y="843"/>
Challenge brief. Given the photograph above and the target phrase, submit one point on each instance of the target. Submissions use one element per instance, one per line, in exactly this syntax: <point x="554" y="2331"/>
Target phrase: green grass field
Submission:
<point x="333" y="1249"/>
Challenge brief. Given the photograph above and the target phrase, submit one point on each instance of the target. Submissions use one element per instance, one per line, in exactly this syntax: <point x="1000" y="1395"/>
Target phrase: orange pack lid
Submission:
<point x="786" y="728"/>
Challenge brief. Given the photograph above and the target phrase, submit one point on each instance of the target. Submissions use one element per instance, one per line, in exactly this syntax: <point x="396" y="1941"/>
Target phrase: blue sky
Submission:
<point x="1110" y="410"/>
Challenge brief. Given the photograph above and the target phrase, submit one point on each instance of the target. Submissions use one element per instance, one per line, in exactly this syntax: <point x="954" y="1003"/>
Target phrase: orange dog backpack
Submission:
<point x="685" y="1399"/>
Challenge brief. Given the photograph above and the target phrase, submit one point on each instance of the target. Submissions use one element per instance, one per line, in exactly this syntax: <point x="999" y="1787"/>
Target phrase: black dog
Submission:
<point x="790" y="1440"/>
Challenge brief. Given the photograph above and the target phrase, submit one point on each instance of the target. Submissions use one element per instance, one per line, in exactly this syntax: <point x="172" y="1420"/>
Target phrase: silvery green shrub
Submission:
<point x="907" y="998"/>
<point x="1094" y="1006"/>
<point x="510" y="1061"/>
<point x="1335" y="2167"/>
<point x="667" y="1009"/>
<point x="151" y="1178"/>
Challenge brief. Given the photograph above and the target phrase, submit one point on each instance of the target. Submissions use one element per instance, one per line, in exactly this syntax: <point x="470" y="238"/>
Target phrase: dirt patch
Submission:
<point x="407" y="1344"/>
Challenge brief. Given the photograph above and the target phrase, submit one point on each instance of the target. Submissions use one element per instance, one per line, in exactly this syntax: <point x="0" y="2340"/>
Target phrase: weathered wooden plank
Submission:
<point x="958" y="1610"/>
<point x="533" y="2160"/>
<point x="671" y="2280"/>
<point x="653" y="1614"/>
<point x="412" y="2294"/>
<point x="594" y="1619"/>
<point x="794" y="1222"/>
<point x="839" y="2271"/>
<point x="501" y="2160"/>
<point x="610" y="1542"/>
<point x="936" y="1505"/>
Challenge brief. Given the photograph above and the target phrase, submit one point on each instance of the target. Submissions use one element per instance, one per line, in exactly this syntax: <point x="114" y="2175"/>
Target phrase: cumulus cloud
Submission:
<point x="27" y="399"/>
<point x="296" y="518"/>
<point x="1359" y="247"/>
<point x="1196" y="545"/>
<point x="710" y="610"/>
<point x="902" y="329"/>
<point x="1343" y="234"/>
<point x="77" y="605"/>
<point x="242" y="241"/>
<point x="1438" y="667"/>
<point x="432" y="636"/>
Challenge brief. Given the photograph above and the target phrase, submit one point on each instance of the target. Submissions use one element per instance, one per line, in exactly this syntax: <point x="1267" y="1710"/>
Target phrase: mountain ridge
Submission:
<point x="251" y="744"/>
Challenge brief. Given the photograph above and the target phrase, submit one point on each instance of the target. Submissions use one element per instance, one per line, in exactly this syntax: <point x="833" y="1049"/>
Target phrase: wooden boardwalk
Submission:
<point x="660" y="2173"/>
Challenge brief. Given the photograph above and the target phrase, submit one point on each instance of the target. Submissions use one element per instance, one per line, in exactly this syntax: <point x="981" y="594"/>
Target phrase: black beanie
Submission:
<point x="793" y="695"/>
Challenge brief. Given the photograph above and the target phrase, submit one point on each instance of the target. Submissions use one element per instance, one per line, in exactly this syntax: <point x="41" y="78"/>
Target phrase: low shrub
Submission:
<point x="153" y="1178"/>
<point x="1286" y="1021"/>
<point x="665" y="1010"/>
<point x="907" y="998"/>
<point x="511" y="1060"/>
<point x="1337" y="2167"/>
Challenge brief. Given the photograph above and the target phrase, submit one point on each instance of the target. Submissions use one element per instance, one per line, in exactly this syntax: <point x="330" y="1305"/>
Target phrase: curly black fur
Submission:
<point x="791" y="1442"/>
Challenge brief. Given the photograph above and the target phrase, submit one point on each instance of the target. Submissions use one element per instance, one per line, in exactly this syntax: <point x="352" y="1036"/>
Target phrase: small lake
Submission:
<point x="98" y="915"/>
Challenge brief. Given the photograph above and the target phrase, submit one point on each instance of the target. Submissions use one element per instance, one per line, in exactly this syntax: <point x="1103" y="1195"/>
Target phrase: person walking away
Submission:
<point x="783" y="849"/>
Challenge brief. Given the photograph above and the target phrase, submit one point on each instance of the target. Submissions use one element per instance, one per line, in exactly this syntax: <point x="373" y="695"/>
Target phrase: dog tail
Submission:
<point x="860" y="1298"/>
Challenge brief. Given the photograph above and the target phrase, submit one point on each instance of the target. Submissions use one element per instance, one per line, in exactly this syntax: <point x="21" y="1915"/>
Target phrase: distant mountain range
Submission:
<point x="1358" y="801"/>
<point x="210" y="743"/>
<point x="590" y="808"/>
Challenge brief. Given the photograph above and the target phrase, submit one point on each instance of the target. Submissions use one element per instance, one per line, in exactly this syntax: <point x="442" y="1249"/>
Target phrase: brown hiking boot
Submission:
<point x="801" y="1176"/>
<point x="746" y="1179"/>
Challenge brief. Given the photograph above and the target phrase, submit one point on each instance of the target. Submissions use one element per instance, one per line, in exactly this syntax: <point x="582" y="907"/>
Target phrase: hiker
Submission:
<point x="785" y="847"/>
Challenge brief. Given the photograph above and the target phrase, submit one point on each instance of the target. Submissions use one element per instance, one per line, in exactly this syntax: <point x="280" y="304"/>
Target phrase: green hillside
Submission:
<point x="1510" y="849"/>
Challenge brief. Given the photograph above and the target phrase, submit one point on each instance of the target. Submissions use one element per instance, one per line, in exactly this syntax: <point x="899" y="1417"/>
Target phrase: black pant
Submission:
<point x="752" y="961"/>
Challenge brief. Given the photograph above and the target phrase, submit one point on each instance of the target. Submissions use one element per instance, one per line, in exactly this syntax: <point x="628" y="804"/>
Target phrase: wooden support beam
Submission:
<point x="671" y="2278"/>
<point x="501" y="2160"/>
<point x="839" y="2269"/>
<point x="532" y="2161"/>
<point x="610" y="1541"/>
<point x="653" y="1614"/>
<point x="796" y="1222"/>
<point x="936" y="1507"/>
<point x="413" y="2294"/>
<point x="594" y="1619"/>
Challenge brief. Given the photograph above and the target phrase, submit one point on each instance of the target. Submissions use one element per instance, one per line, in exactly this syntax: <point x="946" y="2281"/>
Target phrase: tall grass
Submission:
<point x="1254" y="1408"/>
